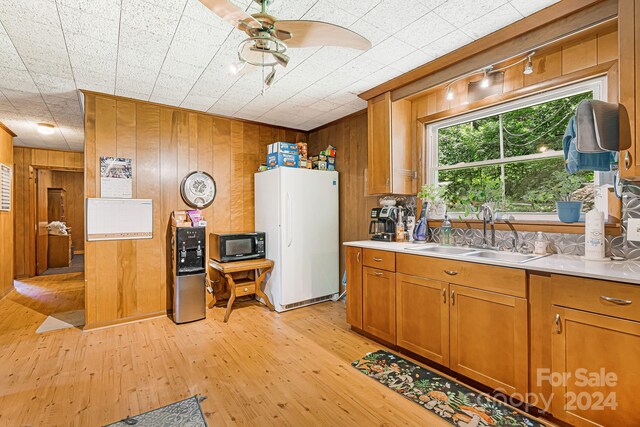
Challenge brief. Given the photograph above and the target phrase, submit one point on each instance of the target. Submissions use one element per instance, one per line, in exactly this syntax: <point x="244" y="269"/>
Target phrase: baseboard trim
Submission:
<point x="119" y="322"/>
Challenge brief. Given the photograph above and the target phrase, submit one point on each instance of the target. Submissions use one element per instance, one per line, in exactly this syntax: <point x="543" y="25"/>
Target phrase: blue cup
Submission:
<point x="569" y="211"/>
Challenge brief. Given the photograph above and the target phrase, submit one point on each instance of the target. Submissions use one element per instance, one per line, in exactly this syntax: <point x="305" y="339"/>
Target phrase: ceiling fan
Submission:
<point x="269" y="38"/>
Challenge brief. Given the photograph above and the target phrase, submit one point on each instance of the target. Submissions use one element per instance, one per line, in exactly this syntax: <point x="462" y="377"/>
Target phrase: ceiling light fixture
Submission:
<point x="450" y="94"/>
<point x="270" y="77"/>
<point x="236" y="67"/>
<point x="262" y="50"/>
<point x="46" y="129"/>
<point x="528" y="66"/>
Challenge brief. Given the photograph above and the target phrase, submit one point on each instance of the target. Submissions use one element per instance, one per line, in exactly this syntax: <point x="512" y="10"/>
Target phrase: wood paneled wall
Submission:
<point x="6" y="219"/>
<point x="349" y="136"/>
<point x="73" y="183"/>
<point x="578" y="58"/>
<point x="128" y="279"/>
<point x="27" y="160"/>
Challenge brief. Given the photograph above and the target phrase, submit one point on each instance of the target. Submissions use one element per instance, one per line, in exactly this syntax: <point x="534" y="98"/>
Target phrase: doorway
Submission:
<point x="59" y="221"/>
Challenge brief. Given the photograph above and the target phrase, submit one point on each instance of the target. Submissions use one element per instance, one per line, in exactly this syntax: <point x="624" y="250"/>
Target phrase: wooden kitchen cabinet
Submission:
<point x="379" y="303"/>
<point x="588" y="343"/>
<point x="392" y="164"/>
<point x="423" y="317"/>
<point x="354" y="286"/>
<point x="489" y="339"/>
<point x="629" y="81"/>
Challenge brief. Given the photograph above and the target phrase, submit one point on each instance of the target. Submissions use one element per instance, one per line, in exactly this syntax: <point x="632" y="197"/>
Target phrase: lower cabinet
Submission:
<point x="423" y="317"/>
<point x="379" y="307"/>
<point x="489" y="339"/>
<point x="354" y="286"/>
<point x="600" y="356"/>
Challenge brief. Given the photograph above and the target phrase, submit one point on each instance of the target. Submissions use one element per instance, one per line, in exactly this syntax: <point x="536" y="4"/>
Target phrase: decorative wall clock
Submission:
<point x="198" y="189"/>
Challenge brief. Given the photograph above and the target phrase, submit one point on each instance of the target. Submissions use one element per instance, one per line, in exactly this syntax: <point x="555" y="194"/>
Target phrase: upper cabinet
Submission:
<point x="392" y="161"/>
<point x="629" y="75"/>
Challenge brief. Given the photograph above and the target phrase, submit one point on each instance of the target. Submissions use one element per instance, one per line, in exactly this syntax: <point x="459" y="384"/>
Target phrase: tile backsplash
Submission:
<point x="571" y="244"/>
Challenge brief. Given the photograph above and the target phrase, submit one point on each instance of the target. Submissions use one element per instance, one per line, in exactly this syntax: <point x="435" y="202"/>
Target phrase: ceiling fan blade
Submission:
<point x="316" y="33"/>
<point x="232" y="14"/>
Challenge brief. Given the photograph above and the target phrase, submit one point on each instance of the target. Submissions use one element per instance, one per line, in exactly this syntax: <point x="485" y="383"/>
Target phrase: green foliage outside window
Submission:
<point x="528" y="186"/>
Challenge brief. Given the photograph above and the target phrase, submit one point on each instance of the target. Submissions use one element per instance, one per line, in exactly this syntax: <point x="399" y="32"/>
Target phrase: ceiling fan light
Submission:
<point x="528" y="67"/>
<point x="46" y="129"/>
<point x="236" y="67"/>
<point x="281" y="58"/>
<point x="270" y="78"/>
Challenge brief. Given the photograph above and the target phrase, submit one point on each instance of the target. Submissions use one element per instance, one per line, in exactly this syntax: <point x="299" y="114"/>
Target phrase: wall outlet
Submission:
<point x="633" y="229"/>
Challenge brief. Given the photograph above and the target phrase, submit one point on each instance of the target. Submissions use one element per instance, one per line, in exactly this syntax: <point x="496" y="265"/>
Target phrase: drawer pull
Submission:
<point x="377" y="273"/>
<point x="451" y="272"/>
<point x="246" y="289"/>
<point x="377" y="259"/>
<point x="558" y="324"/>
<point x="444" y="296"/>
<point x="453" y="298"/>
<point x="617" y="301"/>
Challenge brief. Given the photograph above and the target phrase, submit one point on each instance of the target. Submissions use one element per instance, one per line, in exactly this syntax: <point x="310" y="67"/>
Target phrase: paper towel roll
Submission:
<point x="594" y="235"/>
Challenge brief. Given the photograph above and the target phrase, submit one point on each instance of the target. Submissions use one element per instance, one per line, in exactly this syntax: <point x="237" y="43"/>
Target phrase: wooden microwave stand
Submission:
<point x="241" y="278"/>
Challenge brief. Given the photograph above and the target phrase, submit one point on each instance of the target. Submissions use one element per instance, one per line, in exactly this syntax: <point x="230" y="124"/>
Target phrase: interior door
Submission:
<point x="42" y="216"/>
<point x="423" y="317"/>
<point x="489" y="338"/>
<point x="309" y="234"/>
<point x="585" y="344"/>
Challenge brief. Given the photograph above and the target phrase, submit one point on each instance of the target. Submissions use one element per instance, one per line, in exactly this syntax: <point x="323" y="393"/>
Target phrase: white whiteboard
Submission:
<point x="119" y="219"/>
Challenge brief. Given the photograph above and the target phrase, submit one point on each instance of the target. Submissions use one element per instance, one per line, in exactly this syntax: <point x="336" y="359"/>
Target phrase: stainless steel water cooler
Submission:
<point x="189" y="290"/>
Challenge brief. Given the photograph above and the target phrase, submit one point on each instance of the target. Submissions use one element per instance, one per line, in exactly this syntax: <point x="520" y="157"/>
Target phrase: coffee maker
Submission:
<point x="383" y="224"/>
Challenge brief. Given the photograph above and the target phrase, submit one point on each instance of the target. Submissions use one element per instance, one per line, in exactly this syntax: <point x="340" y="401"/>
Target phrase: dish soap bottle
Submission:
<point x="540" y="244"/>
<point x="445" y="231"/>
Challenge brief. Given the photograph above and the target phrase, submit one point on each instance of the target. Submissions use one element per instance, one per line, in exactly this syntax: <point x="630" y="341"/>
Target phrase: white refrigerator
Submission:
<point x="298" y="211"/>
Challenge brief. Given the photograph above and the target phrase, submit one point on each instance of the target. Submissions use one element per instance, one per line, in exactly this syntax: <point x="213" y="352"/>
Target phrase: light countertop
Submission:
<point x="571" y="265"/>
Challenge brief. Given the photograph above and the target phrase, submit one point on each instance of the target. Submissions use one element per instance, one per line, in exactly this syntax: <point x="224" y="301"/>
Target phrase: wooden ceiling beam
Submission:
<point x="546" y="26"/>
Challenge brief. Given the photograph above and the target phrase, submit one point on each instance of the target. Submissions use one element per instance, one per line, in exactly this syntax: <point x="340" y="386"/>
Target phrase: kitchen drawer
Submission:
<point x="248" y="289"/>
<point x="504" y="280"/>
<point x="597" y="296"/>
<point x="383" y="260"/>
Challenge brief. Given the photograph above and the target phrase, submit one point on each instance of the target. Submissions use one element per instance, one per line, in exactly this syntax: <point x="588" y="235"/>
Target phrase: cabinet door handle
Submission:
<point x="377" y="259"/>
<point x="627" y="160"/>
<point x="358" y="257"/>
<point x="616" y="301"/>
<point x="558" y="324"/>
<point x="444" y="296"/>
<point x="451" y="272"/>
<point x="453" y="297"/>
<point x="378" y="273"/>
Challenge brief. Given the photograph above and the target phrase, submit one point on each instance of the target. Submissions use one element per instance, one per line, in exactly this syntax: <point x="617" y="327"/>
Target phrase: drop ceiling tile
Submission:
<point x="17" y="80"/>
<point x="53" y="84"/>
<point x="191" y="31"/>
<point x="460" y="12"/>
<point x="144" y="41"/>
<point x="133" y="93"/>
<point x="372" y="33"/>
<point x="389" y="51"/>
<point x="425" y="30"/>
<point x="38" y="11"/>
<point x="82" y="47"/>
<point x="413" y="60"/>
<point x="324" y="106"/>
<point x="110" y="9"/>
<point x="527" y="7"/>
<point x="75" y="21"/>
<point x="141" y="61"/>
<point x="498" y="18"/>
<point x="149" y="17"/>
<point x="356" y="7"/>
<point x="284" y="10"/>
<point x="324" y="11"/>
<point x="131" y="85"/>
<point x="448" y="43"/>
<point x="392" y="17"/>
<point x="174" y="102"/>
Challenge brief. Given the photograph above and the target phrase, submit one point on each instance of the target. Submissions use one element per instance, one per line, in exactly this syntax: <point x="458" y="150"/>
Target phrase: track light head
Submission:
<point x="528" y="66"/>
<point x="236" y="67"/>
<point x="281" y="58"/>
<point x="450" y="94"/>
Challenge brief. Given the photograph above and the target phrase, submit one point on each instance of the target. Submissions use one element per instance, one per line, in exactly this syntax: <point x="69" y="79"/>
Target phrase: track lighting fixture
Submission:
<point x="528" y="66"/>
<point x="450" y="94"/>
<point x="281" y="58"/>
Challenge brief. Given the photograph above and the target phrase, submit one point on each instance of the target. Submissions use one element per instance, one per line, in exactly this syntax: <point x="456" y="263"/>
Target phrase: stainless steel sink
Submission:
<point x="448" y="250"/>
<point x="505" y="256"/>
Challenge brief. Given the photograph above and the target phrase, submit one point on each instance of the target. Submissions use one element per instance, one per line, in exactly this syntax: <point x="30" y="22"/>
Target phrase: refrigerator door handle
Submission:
<point x="289" y="220"/>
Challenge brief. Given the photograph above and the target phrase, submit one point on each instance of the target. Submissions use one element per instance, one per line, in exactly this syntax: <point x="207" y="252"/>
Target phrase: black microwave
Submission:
<point x="236" y="246"/>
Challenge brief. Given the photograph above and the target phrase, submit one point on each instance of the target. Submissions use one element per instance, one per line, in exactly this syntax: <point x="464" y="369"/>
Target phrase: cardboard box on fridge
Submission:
<point x="283" y="147"/>
<point x="275" y="160"/>
<point x="180" y="219"/>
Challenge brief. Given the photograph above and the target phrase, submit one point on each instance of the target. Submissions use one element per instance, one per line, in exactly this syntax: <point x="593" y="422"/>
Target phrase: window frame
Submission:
<point x="597" y="85"/>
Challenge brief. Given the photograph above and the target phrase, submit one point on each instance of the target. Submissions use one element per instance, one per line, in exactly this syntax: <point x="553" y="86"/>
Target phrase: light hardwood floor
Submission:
<point x="261" y="368"/>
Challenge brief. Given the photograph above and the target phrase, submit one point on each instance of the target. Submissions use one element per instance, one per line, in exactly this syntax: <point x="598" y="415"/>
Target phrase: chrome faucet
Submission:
<point x="488" y="218"/>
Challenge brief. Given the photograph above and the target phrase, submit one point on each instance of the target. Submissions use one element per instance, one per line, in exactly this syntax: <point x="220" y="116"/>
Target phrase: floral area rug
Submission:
<point x="450" y="400"/>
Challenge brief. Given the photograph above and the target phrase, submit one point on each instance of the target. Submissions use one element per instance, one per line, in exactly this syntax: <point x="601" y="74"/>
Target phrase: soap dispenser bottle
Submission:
<point x="445" y="231"/>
